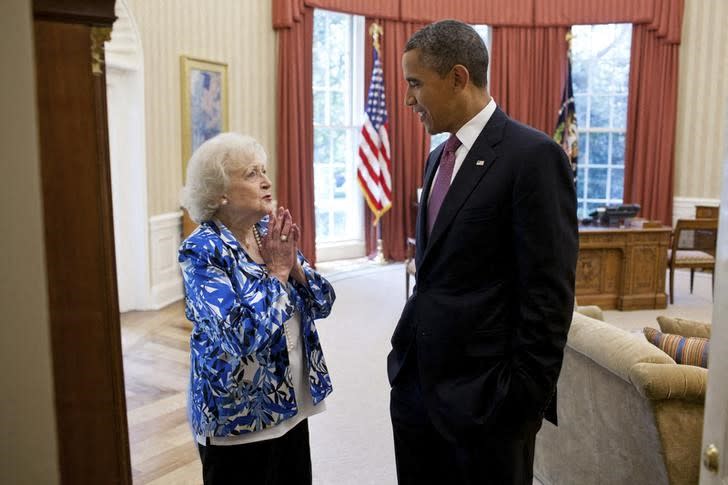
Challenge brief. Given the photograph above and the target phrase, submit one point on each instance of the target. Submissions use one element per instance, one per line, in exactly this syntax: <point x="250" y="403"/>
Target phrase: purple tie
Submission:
<point x="442" y="183"/>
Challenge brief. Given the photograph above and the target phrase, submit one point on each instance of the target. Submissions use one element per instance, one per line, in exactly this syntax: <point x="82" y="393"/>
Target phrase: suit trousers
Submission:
<point x="424" y="457"/>
<point x="280" y="461"/>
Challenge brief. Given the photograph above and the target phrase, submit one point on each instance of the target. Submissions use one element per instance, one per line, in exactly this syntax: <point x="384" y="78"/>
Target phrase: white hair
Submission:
<point x="208" y="169"/>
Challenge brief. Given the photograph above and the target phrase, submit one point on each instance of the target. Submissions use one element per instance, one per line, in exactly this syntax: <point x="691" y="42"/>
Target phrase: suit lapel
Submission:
<point x="476" y="164"/>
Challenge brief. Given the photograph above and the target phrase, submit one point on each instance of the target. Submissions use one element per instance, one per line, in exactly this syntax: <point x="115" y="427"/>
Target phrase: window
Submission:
<point x="484" y="32"/>
<point x="600" y="73"/>
<point x="338" y="108"/>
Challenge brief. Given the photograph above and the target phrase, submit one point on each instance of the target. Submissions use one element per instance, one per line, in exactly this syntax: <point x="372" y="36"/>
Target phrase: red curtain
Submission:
<point x="294" y="120"/>
<point x="527" y="74"/>
<point x="651" y="120"/>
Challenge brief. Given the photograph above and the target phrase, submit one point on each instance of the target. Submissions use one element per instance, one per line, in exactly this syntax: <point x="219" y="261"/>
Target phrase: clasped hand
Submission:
<point x="279" y="247"/>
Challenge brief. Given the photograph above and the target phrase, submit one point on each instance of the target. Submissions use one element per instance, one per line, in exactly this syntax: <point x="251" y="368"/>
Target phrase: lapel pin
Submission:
<point x="480" y="163"/>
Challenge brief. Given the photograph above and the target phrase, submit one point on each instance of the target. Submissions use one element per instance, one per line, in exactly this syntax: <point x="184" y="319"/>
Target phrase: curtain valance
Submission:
<point x="664" y="17"/>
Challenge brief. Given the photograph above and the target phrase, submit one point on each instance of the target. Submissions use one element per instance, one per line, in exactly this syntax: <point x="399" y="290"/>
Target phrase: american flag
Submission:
<point x="374" y="169"/>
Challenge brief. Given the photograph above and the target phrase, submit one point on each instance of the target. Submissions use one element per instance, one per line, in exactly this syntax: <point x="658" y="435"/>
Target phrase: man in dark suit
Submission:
<point x="478" y="348"/>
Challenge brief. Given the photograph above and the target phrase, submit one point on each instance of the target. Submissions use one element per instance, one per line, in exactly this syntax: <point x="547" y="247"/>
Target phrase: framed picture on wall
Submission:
<point x="204" y="103"/>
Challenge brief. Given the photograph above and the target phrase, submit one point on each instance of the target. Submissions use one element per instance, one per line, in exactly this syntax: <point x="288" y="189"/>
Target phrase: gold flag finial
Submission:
<point x="376" y="32"/>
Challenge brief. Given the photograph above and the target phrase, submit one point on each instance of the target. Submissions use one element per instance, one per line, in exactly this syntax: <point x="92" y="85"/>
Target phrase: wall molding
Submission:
<point x="684" y="207"/>
<point x="165" y="232"/>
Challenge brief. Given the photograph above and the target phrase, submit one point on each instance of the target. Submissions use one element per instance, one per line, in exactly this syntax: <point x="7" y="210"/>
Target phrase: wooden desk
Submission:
<point x="622" y="268"/>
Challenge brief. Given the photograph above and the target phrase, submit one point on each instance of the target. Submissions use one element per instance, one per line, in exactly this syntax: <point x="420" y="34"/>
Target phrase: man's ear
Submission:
<point x="460" y="76"/>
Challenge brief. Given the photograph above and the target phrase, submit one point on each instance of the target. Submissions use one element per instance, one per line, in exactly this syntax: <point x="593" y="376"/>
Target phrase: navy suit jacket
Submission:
<point x="485" y="328"/>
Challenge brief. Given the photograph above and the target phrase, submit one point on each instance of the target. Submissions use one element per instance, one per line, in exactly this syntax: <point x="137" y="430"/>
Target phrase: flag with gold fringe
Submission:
<point x="374" y="168"/>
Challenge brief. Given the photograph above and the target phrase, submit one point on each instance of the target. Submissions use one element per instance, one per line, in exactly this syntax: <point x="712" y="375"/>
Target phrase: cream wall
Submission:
<point x="702" y="100"/>
<point x="28" y="449"/>
<point x="236" y="32"/>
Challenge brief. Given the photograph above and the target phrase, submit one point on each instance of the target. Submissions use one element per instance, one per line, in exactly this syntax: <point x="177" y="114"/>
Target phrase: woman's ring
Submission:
<point x="284" y="238"/>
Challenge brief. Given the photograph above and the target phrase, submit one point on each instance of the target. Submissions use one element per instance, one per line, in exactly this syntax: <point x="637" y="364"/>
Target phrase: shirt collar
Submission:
<point x="470" y="131"/>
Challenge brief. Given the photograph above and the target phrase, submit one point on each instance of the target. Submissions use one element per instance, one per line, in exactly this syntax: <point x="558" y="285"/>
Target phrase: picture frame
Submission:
<point x="204" y="101"/>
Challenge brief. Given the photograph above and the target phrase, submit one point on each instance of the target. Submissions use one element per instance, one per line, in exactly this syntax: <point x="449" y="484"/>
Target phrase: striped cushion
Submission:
<point x="684" y="350"/>
<point x="691" y="256"/>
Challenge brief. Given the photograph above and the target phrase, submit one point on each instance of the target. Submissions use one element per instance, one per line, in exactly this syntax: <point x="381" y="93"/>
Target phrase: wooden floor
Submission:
<point x="156" y="372"/>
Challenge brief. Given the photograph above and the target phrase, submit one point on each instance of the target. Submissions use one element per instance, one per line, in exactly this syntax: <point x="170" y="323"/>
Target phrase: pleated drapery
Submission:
<point x="294" y="115"/>
<point x="651" y="122"/>
<point x="527" y="73"/>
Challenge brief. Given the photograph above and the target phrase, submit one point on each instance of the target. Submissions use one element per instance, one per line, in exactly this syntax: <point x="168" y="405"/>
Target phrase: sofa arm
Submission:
<point x="591" y="311"/>
<point x="670" y="381"/>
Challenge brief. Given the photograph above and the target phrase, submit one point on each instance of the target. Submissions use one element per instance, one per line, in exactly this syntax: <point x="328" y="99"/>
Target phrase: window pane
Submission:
<point x="339" y="224"/>
<point x="322" y="224"/>
<point x="320" y="62"/>
<point x="598" y="148"/>
<point x="619" y="111"/>
<point x="321" y="150"/>
<point x="617" y="187"/>
<point x="578" y="76"/>
<point x="580" y="102"/>
<point x="583" y="148"/>
<point x="338" y="110"/>
<point x="602" y="80"/>
<point x="597" y="183"/>
<point x="339" y="182"/>
<point x="319" y="106"/>
<point x="599" y="112"/>
<point x="580" y="187"/>
<point x="618" y="149"/>
<point x="343" y="149"/>
<point x="322" y="182"/>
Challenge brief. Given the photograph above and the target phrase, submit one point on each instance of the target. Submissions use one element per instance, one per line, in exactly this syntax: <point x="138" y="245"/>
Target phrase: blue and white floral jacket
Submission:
<point x="240" y="378"/>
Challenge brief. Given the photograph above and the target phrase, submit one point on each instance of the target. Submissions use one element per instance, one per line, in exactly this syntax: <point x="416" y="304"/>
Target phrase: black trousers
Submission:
<point x="424" y="457"/>
<point x="285" y="461"/>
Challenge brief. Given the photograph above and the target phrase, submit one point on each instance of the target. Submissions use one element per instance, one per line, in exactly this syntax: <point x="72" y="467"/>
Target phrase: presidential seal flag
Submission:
<point x="567" y="134"/>
<point x="374" y="168"/>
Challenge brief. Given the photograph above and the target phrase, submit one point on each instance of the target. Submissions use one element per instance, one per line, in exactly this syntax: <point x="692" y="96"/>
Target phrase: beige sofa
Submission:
<point x="628" y="414"/>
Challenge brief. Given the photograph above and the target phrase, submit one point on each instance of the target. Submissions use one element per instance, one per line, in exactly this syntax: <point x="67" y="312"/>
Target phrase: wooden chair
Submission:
<point x="409" y="266"/>
<point x="707" y="211"/>
<point x="693" y="246"/>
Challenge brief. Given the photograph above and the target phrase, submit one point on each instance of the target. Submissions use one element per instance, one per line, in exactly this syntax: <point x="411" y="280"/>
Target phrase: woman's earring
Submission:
<point x="224" y="201"/>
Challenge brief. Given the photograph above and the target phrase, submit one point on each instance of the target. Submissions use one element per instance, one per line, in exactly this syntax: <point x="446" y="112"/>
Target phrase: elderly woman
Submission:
<point x="257" y="370"/>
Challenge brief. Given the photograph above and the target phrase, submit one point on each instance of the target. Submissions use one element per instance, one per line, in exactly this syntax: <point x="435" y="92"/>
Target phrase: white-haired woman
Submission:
<point x="257" y="369"/>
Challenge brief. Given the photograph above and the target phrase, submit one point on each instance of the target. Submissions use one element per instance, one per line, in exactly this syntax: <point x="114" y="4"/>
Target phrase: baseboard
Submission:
<point x="684" y="207"/>
<point x="165" y="232"/>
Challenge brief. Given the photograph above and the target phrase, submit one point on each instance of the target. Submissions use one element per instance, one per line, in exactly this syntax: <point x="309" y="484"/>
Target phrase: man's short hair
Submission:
<point x="446" y="43"/>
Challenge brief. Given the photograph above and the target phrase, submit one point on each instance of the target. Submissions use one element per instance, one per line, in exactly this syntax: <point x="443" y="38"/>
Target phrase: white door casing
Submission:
<point x="125" y="101"/>
<point x="715" y="429"/>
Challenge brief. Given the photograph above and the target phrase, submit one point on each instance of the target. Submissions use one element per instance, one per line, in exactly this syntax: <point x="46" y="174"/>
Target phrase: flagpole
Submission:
<point x="379" y="258"/>
<point x="375" y="30"/>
